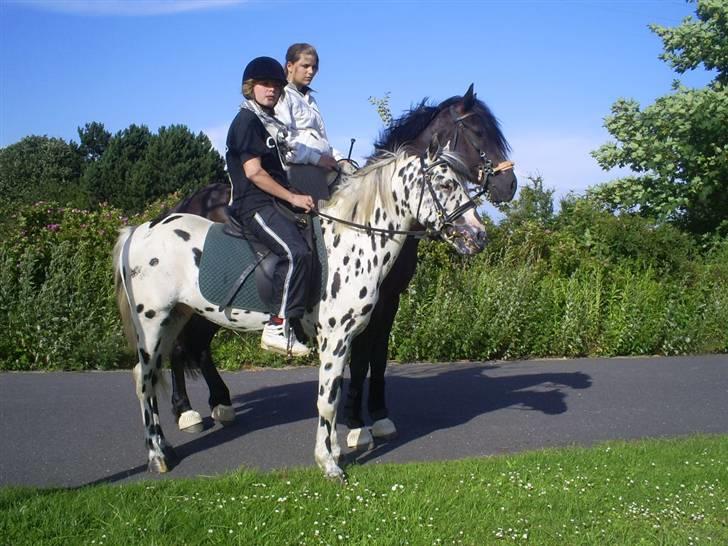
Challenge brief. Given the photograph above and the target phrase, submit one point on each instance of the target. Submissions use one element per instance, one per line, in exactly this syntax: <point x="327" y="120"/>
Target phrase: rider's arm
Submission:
<point x="308" y="144"/>
<point x="255" y="172"/>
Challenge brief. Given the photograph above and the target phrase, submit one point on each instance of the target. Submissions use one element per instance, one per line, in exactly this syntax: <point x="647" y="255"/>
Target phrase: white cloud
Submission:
<point x="128" y="7"/>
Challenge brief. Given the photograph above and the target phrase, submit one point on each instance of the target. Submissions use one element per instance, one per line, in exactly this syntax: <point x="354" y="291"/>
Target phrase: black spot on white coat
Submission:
<point x="335" y="285"/>
<point x="182" y="234"/>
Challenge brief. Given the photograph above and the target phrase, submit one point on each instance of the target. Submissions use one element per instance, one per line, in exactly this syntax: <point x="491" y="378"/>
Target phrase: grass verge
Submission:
<point x="646" y="492"/>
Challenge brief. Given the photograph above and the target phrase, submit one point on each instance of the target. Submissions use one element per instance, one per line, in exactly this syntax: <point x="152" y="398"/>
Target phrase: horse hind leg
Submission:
<point x="160" y="454"/>
<point x="188" y="420"/>
<point x="191" y="353"/>
<point x="157" y="333"/>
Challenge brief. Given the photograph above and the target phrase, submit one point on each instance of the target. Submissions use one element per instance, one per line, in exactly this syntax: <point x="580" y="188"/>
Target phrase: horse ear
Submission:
<point x="468" y="99"/>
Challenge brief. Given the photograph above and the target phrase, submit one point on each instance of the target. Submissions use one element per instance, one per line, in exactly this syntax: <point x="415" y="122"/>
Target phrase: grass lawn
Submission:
<point x="647" y="492"/>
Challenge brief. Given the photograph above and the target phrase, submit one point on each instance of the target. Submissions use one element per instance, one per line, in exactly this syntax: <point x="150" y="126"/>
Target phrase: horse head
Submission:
<point x="444" y="204"/>
<point x="475" y="134"/>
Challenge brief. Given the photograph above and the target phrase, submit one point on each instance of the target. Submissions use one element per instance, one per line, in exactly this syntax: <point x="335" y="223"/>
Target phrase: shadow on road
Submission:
<point x="419" y="406"/>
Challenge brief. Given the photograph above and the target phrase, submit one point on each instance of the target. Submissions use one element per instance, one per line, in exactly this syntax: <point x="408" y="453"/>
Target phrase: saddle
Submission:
<point x="236" y="270"/>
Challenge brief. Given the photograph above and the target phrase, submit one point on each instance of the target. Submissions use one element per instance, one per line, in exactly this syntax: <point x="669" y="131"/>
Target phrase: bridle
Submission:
<point x="485" y="167"/>
<point x="444" y="218"/>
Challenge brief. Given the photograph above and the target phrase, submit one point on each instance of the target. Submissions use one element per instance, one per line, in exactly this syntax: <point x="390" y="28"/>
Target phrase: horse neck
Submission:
<point x="376" y="198"/>
<point x="382" y="217"/>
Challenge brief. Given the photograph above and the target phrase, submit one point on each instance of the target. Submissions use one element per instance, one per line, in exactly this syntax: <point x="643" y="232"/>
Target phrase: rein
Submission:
<point x="446" y="218"/>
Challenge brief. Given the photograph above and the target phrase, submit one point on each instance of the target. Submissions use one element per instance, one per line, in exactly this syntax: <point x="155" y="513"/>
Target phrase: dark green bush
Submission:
<point x="582" y="282"/>
<point x="56" y="288"/>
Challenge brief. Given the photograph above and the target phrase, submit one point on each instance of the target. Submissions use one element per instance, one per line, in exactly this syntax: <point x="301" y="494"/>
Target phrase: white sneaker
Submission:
<point x="280" y="339"/>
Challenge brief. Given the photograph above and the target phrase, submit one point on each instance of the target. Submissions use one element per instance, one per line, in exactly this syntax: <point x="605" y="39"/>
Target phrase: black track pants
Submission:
<point x="282" y="237"/>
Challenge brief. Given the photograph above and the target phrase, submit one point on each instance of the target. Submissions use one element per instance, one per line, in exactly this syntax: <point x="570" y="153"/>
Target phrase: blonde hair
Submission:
<point x="248" y="88"/>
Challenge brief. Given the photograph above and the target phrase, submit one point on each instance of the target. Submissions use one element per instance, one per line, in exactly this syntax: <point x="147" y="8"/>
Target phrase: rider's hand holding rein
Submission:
<point x="255" y="172"/>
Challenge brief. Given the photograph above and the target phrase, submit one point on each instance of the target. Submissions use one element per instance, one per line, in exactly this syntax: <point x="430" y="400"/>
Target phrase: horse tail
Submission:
<point x="122" y="296"/>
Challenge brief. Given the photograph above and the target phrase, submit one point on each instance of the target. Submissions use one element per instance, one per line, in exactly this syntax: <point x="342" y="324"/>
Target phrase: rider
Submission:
<point x="307" y="140"/>
<point x="259" y="187"/>
<point x="313" y="164"/>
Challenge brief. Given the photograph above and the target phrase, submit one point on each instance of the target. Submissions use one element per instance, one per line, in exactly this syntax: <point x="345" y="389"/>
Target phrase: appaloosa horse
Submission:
<point x="473" y="132"/>
<point x="157" y="266"/>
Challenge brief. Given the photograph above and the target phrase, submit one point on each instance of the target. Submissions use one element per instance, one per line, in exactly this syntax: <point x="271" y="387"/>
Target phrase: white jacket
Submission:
<point x="307" y="140"/>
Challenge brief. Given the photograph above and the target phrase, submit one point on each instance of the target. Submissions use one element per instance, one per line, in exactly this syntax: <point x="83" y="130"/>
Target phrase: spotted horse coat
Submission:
<point x="157" y="290"/>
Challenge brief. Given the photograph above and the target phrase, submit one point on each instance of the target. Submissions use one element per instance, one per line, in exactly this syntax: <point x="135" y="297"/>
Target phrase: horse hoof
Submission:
<point x="359" y="438"/>
<point x="335" y="474"/>
<point x="384" y="429"/>
<point x="190" y="421"/>
<point x="158" y="465"/>
<point x="225" y="415"/>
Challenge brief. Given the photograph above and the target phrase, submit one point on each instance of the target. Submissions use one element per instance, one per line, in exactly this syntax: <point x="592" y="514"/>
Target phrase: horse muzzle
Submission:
<point x="466" y="234"/>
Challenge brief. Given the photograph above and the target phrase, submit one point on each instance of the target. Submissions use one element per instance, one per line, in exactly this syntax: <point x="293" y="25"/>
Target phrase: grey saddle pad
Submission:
<point x="224" y="258"/>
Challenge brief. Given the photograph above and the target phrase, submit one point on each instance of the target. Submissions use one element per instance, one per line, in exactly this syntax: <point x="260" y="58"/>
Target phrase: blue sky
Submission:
<point x="549" y="69"/>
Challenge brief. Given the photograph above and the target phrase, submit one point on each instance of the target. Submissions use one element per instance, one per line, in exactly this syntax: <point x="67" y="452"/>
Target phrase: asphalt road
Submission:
<point x="70" y="429"/>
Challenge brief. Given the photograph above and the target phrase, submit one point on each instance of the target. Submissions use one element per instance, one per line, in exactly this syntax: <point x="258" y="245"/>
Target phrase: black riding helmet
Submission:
<point x="264" y="68"/>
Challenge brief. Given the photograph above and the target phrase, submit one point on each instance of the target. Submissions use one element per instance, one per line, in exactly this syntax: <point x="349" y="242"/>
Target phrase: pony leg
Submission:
<point x="358" y="368"/>
<point x="376" y="403"/>
<point x="359" y="436"/>
<point x="334" y="354"/>
<point x="382" y="427"/>
<point x="147" y="373"/>
<point x="219" y="400"/>
<point x="188" y="420"/>
<point x="198" y="334"/>
<point x="192" y="352"/>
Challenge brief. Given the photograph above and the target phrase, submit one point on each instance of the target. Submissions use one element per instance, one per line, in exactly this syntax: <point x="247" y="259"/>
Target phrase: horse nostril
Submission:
<point x="482" y="237"/>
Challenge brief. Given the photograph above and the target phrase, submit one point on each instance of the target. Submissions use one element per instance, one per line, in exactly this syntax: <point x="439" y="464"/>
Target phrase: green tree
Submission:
<point x="94" y="139"/>
<point x="138" y="167"/>
<point x="678" y="146"/>
<point x="108" y="179"/>
<point x="178" y="160"/>
<point x="40" y="168"/>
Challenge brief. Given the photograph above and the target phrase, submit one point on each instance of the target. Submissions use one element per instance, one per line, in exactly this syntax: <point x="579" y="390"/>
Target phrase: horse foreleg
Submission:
<point x="382" y="426"/>
<point x="358" y="368"/>
<point x="334" y="352"/>
<point x="359" y="436"/>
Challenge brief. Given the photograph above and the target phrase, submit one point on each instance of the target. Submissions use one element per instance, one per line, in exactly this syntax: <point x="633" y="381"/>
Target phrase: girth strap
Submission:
<point x="230" y="296"/>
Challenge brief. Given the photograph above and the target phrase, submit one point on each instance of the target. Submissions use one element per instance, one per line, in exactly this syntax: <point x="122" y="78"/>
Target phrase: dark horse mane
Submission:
<point x="414" y="121"/>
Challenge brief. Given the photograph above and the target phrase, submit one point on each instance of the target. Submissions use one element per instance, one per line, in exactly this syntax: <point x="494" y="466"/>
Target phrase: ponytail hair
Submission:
<point x="296" y="50"/>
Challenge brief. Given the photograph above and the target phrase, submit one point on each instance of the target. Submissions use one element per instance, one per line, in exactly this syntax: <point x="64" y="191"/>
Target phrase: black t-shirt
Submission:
<point x="247" y="138"/>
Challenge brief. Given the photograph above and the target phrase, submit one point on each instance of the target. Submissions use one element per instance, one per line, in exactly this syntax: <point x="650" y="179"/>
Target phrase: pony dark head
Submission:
<point x="470" y="127"/>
